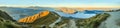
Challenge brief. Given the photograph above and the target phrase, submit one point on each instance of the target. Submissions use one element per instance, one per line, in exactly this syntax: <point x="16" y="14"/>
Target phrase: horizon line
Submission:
<point x="60" y="6"/>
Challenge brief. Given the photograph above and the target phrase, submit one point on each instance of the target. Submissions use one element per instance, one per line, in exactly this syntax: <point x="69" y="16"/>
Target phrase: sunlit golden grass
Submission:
<point x="31" y="19"/>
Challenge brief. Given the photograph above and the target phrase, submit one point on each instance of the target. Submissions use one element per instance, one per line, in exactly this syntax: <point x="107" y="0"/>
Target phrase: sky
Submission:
<point x="62" y="3"/>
